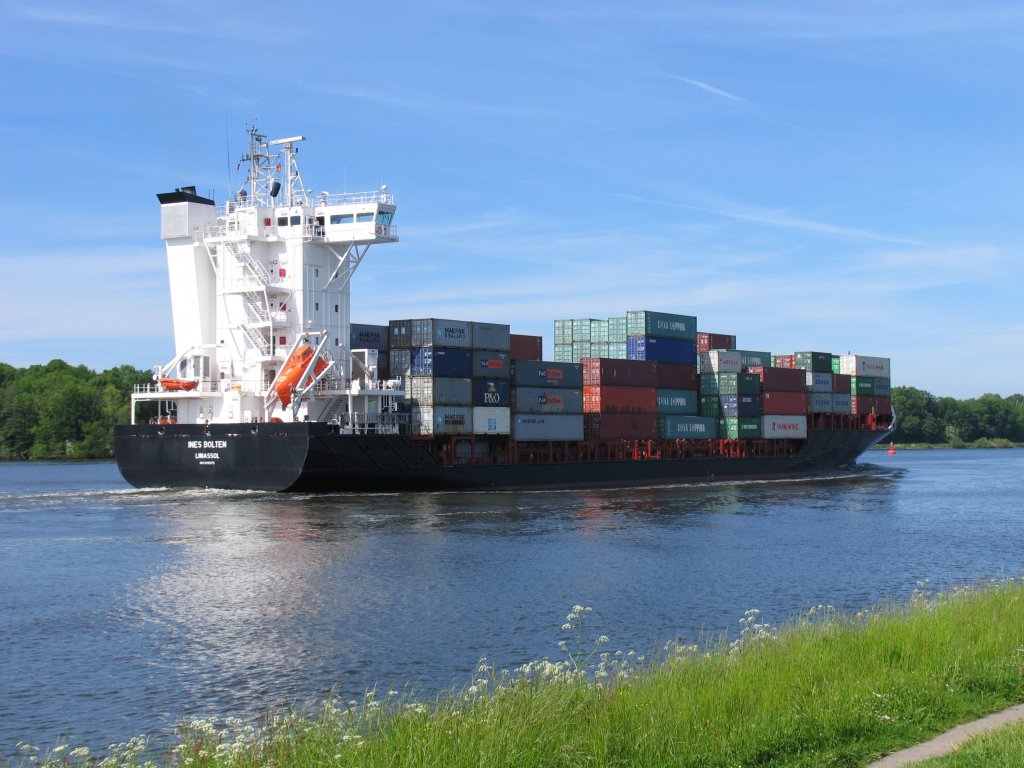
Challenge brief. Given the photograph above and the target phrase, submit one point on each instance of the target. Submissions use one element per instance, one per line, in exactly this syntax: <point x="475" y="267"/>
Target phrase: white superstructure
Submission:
<point x="256" y="281"/>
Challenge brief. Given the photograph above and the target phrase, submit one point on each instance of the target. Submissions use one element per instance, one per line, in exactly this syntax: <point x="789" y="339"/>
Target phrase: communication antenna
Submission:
<point x="294" y="190"/>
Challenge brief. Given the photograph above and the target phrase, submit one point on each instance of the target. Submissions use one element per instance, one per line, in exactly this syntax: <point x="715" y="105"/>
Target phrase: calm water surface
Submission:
<point x="124" y="611"/>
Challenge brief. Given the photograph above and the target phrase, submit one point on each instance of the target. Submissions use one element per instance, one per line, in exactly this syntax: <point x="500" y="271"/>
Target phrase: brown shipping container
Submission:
<point x="841" y="384"/>
<point x="883" y="405"/>
<point x="784" y="361"/>
<point x="605" y="399"/>
<point x="621" y="426"/>
<point x="783" y="403"/>
<point x="600" y="371"/>
<point x="708" y="341"/>
<point x="862" y="404"/>
<point x="676" y="376"/>
<point x="522" y="347"/>
<point x="774" y="379"/>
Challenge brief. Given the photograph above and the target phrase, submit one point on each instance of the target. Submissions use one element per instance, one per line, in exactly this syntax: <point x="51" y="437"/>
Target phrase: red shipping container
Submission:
<point x="864" y="404"/>
<point x="602" y="371"/>
<point x="784" y="361"/>
<point x="774" y="379"/>
<point x="709" y="341"/>
<point x="607" y="399"/>
<point x="783" y="403"/>
<point x="883" y="405"/>
<point x="841" y="384"/>
<point x="522" y="347"/>
<point x="676" y="376"/>
<point x="621" y="426"/>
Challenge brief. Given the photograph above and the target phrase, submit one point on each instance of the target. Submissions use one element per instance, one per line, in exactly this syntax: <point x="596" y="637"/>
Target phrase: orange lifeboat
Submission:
<point x="179" y="385"/>
<point x="293" y="368"/>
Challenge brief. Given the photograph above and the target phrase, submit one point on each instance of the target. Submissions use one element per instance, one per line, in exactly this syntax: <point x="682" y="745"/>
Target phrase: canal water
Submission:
<point x="123" y="611"/>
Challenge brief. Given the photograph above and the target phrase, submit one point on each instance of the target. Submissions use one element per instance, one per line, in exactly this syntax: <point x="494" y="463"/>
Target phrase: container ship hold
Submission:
<point x="271" y="386"/>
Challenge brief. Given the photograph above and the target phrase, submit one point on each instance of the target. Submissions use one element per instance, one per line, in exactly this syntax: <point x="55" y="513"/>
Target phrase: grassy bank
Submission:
<point x="983" y="442"/>
<point x="826" y="691"/>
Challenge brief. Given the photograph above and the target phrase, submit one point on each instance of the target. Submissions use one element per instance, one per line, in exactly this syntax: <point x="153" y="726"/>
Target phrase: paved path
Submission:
<point x="947" y="742"/>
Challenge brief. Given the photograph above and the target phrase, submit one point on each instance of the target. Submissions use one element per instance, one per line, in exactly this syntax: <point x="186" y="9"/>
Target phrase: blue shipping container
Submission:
<point x="442" y="361"/>
<point x="740" y="406"/>
<point x="491" y="392"/>
<point x="541" y="373"/>
<point x="491" y="364"/>
<point x="678" y="351"/>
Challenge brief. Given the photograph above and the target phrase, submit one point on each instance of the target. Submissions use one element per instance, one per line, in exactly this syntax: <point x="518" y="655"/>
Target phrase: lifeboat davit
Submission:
<point x="179" y="385"/>
<point x="293" y="368"/>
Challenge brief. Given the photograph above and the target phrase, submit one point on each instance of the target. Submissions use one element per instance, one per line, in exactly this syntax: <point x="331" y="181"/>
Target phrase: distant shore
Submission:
<point x="983" y="443"/>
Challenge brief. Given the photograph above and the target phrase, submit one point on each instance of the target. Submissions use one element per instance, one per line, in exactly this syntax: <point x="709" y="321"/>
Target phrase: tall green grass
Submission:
<point x="828" y="690"/>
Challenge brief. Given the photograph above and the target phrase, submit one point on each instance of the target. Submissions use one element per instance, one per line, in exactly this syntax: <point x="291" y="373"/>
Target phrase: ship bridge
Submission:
<point x="258" y="280"/>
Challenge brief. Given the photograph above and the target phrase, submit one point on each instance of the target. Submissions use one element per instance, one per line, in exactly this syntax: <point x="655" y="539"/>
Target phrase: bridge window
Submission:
<point x="282" y="221"/>
<point x="296" y="221"/>
<point x="364" y="217"/>
<point x="341" y="218"/>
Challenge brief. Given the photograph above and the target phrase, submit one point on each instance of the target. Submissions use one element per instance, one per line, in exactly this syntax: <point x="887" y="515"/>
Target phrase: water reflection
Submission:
<point x="160" y="604"/>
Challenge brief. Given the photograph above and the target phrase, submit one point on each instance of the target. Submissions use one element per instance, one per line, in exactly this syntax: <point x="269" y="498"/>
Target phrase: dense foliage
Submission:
<point x="924" y="418"/>
<point x="57" y="411"/>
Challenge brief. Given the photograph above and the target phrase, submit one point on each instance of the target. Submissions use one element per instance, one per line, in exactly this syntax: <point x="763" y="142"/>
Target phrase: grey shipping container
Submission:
<point x="400" y="361"/>
<point x="490" y="336"/>
<point x="547" y="400"/>
<point x="491" y="421"/>
<point x="361" y="336"/>
<point x="442" y="420"/>
<point x="528" y="427"/>
<point x="400" y="334"/>
<point x="442" y="333"/>
<point x="431" y="390"/>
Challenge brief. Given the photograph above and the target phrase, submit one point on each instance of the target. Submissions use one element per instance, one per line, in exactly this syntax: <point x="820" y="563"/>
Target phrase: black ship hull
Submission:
<point x="313" y="457"/>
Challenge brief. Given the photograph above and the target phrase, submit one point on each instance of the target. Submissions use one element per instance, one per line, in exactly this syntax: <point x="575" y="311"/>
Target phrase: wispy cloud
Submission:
<point x="708" y="88"/>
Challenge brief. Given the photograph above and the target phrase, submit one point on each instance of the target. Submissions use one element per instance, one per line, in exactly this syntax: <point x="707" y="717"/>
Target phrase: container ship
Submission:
<point x="272" y="387"/>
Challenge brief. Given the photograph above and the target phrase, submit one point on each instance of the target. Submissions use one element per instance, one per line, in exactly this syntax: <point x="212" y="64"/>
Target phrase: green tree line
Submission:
<point x="59" y="411"/>
<point x="921" y="417"/>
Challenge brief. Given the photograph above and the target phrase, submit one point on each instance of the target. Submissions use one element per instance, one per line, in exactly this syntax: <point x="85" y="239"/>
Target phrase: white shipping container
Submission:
<point x="442" y="420"/>
<point x="819" y="382"/>
<point x="861" y="365"/>
<point x="491" y="420"/>
<point x="721" y="361"/>
<point x="547" y="426"/>
<point x="778" y="427"/>
<point x="819" y="402"/>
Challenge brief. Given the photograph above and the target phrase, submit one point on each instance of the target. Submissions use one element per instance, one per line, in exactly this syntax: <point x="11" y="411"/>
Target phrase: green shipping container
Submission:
<point x="749" y="358"/>
<point x="563" y="331"/>
<point x="661" y="324"/>
<point x="581" y="329"/>
<point x="818" y="362"/>
<point x="677" y="402"/>
<point x="861" y="386"/>
<point x="618" y="350"/>
<point x="563" y="353"/>
<point x="730" y="384"/>
<point x="835" y="364"/>
<point x="710" y="406"/>
<point x="740" y="429"/>
<point x="617" y="330"/>
<point x="687" y="427"/>
<point x="599" y="331"/>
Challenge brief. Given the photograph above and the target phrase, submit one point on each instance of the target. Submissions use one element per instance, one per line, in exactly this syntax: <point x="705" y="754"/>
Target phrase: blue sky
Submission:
<point x="809" y="176"/>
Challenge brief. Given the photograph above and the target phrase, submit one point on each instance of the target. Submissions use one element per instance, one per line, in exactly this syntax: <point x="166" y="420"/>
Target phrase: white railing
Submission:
<point x="312" y="200"/>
